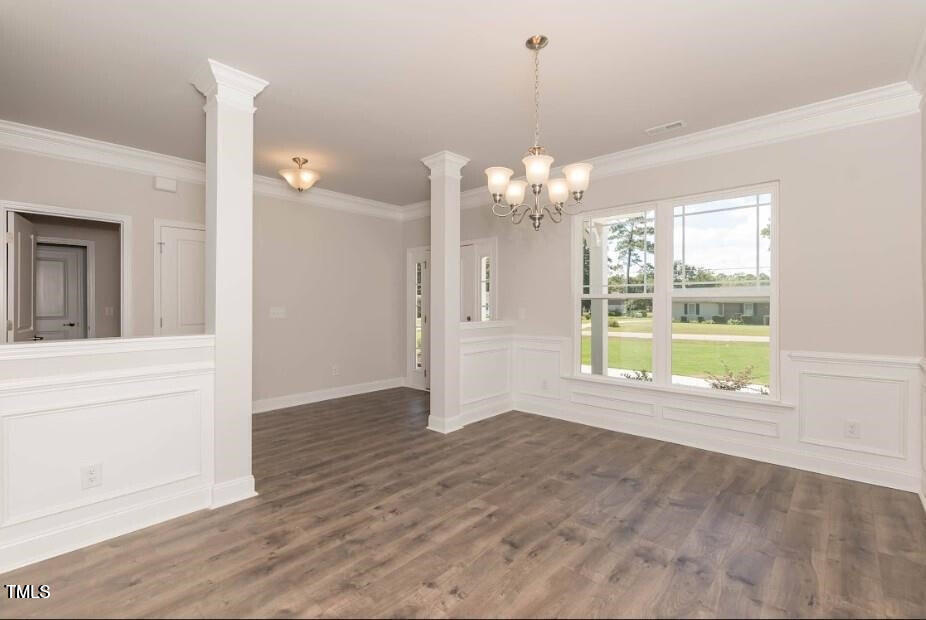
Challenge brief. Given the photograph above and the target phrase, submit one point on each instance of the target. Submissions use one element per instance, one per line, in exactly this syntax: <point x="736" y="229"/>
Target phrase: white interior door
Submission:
<point x="182" y="287"/>
<point x="60" y="292"/>
<point x="20" y="279"/>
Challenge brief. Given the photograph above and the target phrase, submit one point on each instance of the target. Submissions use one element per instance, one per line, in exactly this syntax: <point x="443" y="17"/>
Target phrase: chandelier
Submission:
<point x="508" y="196"/>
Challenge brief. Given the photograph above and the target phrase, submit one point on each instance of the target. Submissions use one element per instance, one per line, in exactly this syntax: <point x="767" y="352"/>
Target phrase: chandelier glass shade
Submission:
<point x="300" y="178"/>
<point x="508" y="197"/>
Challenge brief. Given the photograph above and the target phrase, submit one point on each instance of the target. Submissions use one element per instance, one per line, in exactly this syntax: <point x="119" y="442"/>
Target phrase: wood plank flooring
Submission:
<point x="363" y="512"/>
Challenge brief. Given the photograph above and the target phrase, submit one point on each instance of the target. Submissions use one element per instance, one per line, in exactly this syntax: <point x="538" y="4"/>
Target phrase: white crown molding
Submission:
<point x="867" y="106"/>
<point x="39" y="141"/>
<point x="326" y="199"/>
<point x="59" y="145"/>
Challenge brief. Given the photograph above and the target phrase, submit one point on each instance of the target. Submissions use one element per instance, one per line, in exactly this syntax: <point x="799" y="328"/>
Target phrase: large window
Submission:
<point x="680" y="292"/>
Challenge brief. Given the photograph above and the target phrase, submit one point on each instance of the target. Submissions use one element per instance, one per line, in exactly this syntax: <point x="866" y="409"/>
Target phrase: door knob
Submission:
<point x="69" y="324"/>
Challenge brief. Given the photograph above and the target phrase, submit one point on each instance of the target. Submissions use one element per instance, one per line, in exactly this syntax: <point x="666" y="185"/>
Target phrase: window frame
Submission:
<point x="664" y="291"/>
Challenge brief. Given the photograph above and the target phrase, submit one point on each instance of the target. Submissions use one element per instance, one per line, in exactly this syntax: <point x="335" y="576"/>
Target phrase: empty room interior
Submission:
<point x="463" y="310"/>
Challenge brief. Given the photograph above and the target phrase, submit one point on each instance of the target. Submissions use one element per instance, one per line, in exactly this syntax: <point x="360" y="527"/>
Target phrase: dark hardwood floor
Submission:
<point x="364" y="513"/>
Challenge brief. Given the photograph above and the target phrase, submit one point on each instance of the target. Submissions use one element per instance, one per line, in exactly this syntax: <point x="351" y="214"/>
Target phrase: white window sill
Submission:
<point x="675" y="390"/>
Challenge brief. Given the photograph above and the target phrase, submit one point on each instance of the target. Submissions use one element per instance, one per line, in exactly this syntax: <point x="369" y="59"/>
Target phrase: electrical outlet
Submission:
<point x="277" y="312"/>
<point x="91" y="476"/>
<point x="544" y="385"/>
<point x="108" y="311"/>
<point x="853" y="429"/>
<point x="335" y="370"/>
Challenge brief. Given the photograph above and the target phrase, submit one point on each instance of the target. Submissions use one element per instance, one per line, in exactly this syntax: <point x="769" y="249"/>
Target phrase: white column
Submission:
<point x="229" y="236"/>
<point x="445" y="290"/>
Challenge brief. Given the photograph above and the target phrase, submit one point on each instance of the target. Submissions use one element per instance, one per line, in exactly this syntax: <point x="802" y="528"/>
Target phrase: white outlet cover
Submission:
<point x="91" y="476"/>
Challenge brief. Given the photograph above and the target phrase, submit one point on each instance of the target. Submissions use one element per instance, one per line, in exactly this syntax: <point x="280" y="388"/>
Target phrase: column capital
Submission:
<point x="227" y="84"/>
<point x="445" y="163"/>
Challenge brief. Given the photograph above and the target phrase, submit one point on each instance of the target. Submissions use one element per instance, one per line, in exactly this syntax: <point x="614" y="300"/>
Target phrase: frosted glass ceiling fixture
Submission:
<point x="508" y="195"/>
<point x="300" y="178"/>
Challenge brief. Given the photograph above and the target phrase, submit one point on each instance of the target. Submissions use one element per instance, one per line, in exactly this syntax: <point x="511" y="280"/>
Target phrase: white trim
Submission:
<point x="693" y="393"/>
<point x="876" y="104"/>
<point x="326" y="199"/>
<point x="293" y="400"/>
<point x="90" y="267"/>
<point x="231" y="491"/>
<point x="125" y="243"/>
<point x="890" y="361"/>
<point x="97" y="529"/>
<point x="848" y="468"/>
<point x="68" y="147"/>
<point x="103" y="346"/>
<point x="160" y="224"/>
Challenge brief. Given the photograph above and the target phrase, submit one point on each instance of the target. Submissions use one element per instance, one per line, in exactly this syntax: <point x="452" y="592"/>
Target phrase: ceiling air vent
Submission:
<point x="659" y="129"/>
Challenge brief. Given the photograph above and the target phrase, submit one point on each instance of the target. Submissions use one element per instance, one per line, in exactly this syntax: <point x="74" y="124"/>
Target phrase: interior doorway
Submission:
<point x="64" y="276"/>
<point x="62" y="302"/>
<point x="478" y="299"/>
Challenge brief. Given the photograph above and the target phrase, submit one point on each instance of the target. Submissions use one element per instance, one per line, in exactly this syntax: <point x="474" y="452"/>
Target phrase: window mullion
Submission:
<point x="662" y="298"/>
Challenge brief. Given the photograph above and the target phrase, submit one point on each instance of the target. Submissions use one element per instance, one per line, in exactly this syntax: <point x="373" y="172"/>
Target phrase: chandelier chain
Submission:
<point x="537" y="97"/>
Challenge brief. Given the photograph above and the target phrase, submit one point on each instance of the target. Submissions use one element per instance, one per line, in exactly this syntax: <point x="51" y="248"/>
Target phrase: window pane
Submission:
<point x="618" y="254"/>
<point x="723" y="243"/>
<point x="721" y="343"/>
<point x="617" y="338"/>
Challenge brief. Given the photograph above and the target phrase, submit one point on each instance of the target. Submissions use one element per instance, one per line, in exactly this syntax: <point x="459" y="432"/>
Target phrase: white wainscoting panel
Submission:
<point x="876" y="407"/>
<point x="149" y="429"/>
<point x="485" y="374"/>
<point x="825" y="398"/>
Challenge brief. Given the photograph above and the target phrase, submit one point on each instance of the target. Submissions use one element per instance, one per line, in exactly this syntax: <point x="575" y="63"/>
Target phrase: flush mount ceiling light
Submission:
<point x="508" y="195"/>
<point x="300" y="178"/>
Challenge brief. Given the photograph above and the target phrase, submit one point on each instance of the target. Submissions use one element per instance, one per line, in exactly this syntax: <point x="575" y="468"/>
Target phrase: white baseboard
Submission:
<point x="292" y="400"/>
<point x="776" y="455"/>
<point x="232" y="491"/>
<point x="440" y="425"/>
<point x="99" y="528"/>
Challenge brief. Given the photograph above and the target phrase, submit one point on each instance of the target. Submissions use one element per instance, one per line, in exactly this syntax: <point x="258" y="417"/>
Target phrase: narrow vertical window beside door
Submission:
<point x="485" y="288"/>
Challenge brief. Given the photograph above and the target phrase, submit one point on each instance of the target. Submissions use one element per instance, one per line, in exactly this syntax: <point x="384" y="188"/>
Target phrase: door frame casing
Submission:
<point x="414" y="377"/>
<point x="125" y="247"/>
<point x="158" y="244"/>
<point x="89" y="275"/>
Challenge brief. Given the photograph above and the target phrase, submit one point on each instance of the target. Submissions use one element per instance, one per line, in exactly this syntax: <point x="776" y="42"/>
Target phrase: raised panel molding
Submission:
<point x="889" y="453"/>
<point x="722" y="421"/>
<point x="16" y="440"/>
<point x="150" y="427"/>
<point x="620" y="405"/>
<point x="853" y="398"/>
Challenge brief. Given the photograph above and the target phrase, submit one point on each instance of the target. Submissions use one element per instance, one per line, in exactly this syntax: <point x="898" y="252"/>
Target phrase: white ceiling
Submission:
<point x="365" y="89"/>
